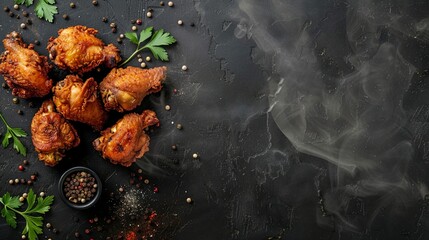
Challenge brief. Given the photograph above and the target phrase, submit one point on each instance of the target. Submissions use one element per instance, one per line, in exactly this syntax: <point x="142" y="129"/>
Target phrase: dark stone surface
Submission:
<point x="310" y="119"/>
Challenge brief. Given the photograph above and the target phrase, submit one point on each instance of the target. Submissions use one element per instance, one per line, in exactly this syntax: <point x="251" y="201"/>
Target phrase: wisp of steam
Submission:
<point x="356" y="122"/>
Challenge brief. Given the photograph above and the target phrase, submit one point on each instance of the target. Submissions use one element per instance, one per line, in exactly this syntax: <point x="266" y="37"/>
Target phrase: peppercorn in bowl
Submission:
<point x="80" y="187"/>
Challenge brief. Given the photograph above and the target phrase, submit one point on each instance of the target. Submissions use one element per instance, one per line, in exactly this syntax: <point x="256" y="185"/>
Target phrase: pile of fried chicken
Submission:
<point x="78" y="51"/>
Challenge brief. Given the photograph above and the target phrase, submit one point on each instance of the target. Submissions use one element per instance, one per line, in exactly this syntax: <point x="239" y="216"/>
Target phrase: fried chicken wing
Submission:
<point x="78" y="101"/>
<point x="123" y="89"/>
<point x="78" y="49"/>
<point x="51" y="134"/>
<point x="25" y="71"/>
<point x="126" y="141"/>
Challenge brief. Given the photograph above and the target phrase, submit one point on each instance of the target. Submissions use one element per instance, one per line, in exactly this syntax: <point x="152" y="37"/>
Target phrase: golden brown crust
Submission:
<point x="78" y="49"/>
<point x="51" y="134"/>
<point x="126" y="141"/>
<point x="123" y="89"/>
<point x="25" y="71"/>
<point x="78" y="101"/>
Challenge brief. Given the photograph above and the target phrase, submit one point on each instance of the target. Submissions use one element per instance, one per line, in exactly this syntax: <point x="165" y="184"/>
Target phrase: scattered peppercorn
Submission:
<point x="18" y="17"/>
<point x="25" y="162"/>
<point x="140" y="60"/>
<point x="104" y="19"/>
<point x="22" y="181"/>
<point x="143" y="65"/>
<point x="11" y="14"/>
<point x="37" y="42"/>
<point x="180" y="22"/>
<point x="161" y="3"/>
<point x="16" y="6"/>
<point x="25" y="195"/>
<point x="33" y="177"/>
<point x="148" y="59"/>
<point x="42" y="194"/>
<point x="167" y="107"/>
<point x="121" y="189"/>
<point x="121" y="36"/>
<point x="192" y="24"/>
<point x="23" y="237"/>
<point x="23" y="26"/>
<point x="119" y="40"/>
<point x="189" y="200"/>
<point x="4" y="85"/>
<point x="15" y="100"/>
<point x="6" y="9"/>
<point x="146" y="181"/>
<point x="65" y="16"/>
<point x="11" y="182"/>
<point x="149" y="14"/>
<point x="20" y="112"/>
<point x="184" y="68"/>
<point x="21" y="168"/>
<point x="21" y="199"/>
<point x="54" y="230"/>
<point x="29" y="22"/>
<point x="170" y="4"/>
<point x="133" y="21"/>
<point x="87" y="231"/>
<point x="174" y="147"/>
<point x="134" y="28"/>
<point x="112" y="25"/>
<point x="16" y="180"/>
<point x="29" y="182"/>
<point x="114" y="30"/>
<point x="76" y="235"/>
<point x="25" y="14"/>
<point x="72" y="5"/>
<point x="195" y="155"/>
<point x="48" y="225"/>
<point x="139" y="21"/>
<point x="179" y="126"/>
<point x="95" y="2"/>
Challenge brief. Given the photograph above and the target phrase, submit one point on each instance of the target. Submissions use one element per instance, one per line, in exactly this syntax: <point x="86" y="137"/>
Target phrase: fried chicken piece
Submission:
<point x="126" y="141"/>
<point x="52" y="135"/>
<point x="123" y="89"/>
<point x="25" y="71"/>
<point x="78" y="101"/>
<point x="78" y="49"/>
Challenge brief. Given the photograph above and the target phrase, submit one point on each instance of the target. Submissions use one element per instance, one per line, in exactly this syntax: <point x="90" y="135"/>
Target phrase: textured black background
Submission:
<point x="250" y="182"/>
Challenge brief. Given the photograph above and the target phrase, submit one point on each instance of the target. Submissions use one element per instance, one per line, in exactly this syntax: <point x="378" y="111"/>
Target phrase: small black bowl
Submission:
<point x="83" y="205"/>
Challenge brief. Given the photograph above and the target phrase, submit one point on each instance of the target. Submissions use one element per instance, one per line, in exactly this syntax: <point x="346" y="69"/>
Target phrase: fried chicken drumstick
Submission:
<point x="78" y="101"/>
<point x="25" y="71"/>
<point x="123" y="89"/>
<point x="78" y="49"/>
<point x="52" y="135"/>
<point x="126" y="141"/>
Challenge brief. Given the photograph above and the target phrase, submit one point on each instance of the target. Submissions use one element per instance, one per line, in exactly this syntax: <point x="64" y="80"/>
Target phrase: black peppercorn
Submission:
<point x="20" y="112"/>
<point x="104" y="19"/>
<point x="6" y="9"/>
<point x="37" y="42"/>
<point x="4" y="85"/>
<point x="72" y="5"/>
<point x="25" y="14"/>
<point x="95" y="2"/>
<point x="29" y="22"/>
<point x="65" y="16"/>
<point x="11" y="14"/>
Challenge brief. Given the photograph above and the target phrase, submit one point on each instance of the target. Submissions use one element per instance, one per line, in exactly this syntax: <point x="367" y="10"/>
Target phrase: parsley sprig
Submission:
<point x="155" y="44"/>
<point x="35" y="207"/>
<point x="44" y="8"/>
<point x="15" y="134"/>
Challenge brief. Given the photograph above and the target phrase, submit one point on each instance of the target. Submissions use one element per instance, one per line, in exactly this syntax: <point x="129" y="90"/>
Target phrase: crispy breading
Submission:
<point x="123" y="89"/>
<point x="78" y="101"/>
<point x="51" y="134"/>
<point x="78" y="49"/>
<point x="24" y="70"/>
<point x="126" y="141"/>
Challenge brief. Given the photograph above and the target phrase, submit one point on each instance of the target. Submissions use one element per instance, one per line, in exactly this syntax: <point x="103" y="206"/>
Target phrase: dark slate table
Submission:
<point x="310" y="119"/>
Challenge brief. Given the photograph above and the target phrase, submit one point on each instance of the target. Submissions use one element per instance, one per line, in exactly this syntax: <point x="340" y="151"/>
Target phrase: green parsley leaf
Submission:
<point x="46" y="9"/>
<point x="35" y="207"/>
<point x="132" y="36"/>
<point x="15" y="134"/>
<point x="155" y="44"/>
<point x="26" y="2"/>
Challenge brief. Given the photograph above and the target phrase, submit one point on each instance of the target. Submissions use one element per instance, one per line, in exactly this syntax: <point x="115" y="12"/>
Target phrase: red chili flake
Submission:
<point x="87" y="231"/>
<point x="174" y="90"/>
<point x="139" y="21"/>
<point x="131" y="236"/>
<point x="140" y="178"/>
<point x="152" y="216"/>
<point x="91" y="221"/>
<point x="21" y="168"/>
<point x="155" y="189"/>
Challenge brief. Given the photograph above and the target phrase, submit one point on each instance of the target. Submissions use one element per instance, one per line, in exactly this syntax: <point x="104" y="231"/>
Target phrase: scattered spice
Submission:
<point x="6" y="9"/>
<point x="104" y="19"/>
<point x="134" y="28"/>
<point x="95" y="2"/>
<point x="48" y="225"/>
<point x="155" y="190"/>
<point x="180" y="22"/>
<point x="148" y="59"/>
<point x="195" y="155"/>
<point x="174" y="147"/>
<point x="189" y="200"/>
<point x="11" y="14"/>
<point x="16" y="6"/>
<point x="28" y="22"/>
<point x="143" y="65"/>
<point x="121" y="35"/>
<point x="15" y="100"/>
<point x="170" y="4"/>
<point x="37" y="42"/>
<point x="42" y="194"/>
<point x="121" y="189"/>
<point x="139" y="21"/>
<point x="4" y="85"/>
<point x="112" y="25"/>
<point x="161" y="3"/>
<point x="179" y="126"/>
<point x="72" y="5"/>
<point x="167" y="107"/>
<point x="184" y="68"/>
<point x="21" y="168"/>
<point x="11" y="182"/>
<point x="20" y="112"/>
<point x="149" y="14"/>
<point x="65" y="16"/>
<point x="140" y="60"/>
<point x="25" y="14"/>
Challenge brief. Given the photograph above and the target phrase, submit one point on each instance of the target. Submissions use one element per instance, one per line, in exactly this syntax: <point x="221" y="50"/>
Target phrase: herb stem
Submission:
<point x="4" y="121"/>
<point x="132" y="55"/>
